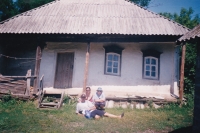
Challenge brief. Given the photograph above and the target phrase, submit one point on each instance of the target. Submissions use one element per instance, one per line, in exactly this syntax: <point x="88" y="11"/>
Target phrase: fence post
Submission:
<point x="28" y="84"/>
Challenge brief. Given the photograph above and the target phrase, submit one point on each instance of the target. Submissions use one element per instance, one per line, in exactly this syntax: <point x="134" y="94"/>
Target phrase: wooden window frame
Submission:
<point x="152" y="54"/>
<point x="112" y="67"/>
<point x="115" y="50"/>
<point x="150" y="69"/>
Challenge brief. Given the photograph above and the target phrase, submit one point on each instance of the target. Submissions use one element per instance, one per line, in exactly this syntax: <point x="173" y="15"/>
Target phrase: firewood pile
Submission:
<point x="16" y="87"/>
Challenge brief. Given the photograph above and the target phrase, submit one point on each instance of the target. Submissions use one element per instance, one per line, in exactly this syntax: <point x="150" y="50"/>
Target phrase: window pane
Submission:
<point x="153" y="74"/>
<point x="115" y="58"/>
<point x="115" y="70"/>
<point x="109" y="69"/>
<point x="153" y="61"/>
<point x="147" y="67"/>
<point x="109" y="63"/>
<point x="115" y="64"/>
<point x="153" y="68"/>
<point x="147" y="73"/>
<point x="147" y="61"/>
<point x="110" y="57"/>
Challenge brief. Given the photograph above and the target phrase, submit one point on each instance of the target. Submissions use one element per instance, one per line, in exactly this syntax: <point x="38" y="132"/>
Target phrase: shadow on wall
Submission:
<point x="183" y="130"/>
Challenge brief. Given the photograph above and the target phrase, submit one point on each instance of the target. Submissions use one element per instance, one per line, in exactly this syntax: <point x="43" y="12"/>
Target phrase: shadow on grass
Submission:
<point x="183" y="130"/>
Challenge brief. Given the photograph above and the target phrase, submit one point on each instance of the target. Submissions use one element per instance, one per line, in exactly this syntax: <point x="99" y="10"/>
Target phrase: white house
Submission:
<point x="114" y="44"/>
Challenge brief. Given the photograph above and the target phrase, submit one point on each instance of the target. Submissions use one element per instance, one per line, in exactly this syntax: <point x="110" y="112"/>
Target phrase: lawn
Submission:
<point x="18" y="116"/>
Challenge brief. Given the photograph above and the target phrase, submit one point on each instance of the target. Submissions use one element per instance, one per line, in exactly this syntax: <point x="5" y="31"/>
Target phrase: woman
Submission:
<point x="89" y="96"/>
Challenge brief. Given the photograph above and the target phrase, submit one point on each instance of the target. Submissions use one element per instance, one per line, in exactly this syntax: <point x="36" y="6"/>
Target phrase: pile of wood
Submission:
<point x="16" y="87"/>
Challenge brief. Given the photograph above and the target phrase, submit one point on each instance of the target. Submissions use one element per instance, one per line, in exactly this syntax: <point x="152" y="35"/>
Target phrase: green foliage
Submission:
<point x="6" y="98"/>
<point x="186" y="18"/>
<point x="25" y="5"/>
<point x="9" y="8"/>
<point x="143" y="3"/>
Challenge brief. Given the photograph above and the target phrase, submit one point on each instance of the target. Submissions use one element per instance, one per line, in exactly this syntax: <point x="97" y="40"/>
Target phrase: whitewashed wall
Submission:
<point x="129" y="83"/>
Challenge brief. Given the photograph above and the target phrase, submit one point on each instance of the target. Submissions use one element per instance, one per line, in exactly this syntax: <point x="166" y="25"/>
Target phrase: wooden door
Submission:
<point x="64" y="70"/>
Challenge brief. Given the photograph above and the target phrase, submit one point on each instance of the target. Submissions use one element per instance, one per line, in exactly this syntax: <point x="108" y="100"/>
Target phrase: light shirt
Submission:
<point x="97" y="97"/>
<point x="83" y="106"/>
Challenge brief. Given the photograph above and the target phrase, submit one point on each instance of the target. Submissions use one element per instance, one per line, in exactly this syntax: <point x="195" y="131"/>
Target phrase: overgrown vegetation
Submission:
<point x="188" y="19"/>
<point x="18" y="116"/>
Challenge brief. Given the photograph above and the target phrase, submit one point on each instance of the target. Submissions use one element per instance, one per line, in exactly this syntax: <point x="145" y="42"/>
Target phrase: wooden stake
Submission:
<point x="86" y="67"/>
<point x="37" y="69"/>
<point x="28" y="84"/>
<point x="182" y="73"/>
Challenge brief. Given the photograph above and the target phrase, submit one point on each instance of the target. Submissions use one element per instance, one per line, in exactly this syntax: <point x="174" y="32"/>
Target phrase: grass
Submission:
<point x="17" y="116"/>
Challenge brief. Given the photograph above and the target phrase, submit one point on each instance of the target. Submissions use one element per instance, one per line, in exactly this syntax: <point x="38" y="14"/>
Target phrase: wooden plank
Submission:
<point x="61" y="99"/>
<point x="40" y="97"/>
<point x="86" y="67"/>
<point x="182" y="73"/>
<point x="37" y="68"/>
<point x="50" y="104"/>
<point x="28" y="84"/>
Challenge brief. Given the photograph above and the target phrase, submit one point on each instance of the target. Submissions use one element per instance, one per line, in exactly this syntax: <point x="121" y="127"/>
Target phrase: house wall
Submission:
<point x="20" y="49"/>
<point x="129" y="83"/>
<point x="1" y="59"/>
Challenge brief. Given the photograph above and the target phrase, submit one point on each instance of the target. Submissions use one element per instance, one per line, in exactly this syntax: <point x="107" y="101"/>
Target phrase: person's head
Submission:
<point x="99" y="91"/>
<point x="83" y="97"/>
<point x="88" y="90"/>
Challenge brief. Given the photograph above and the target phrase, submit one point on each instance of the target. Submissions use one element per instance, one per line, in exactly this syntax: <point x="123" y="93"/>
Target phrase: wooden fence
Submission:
<point x="16" y="86"/>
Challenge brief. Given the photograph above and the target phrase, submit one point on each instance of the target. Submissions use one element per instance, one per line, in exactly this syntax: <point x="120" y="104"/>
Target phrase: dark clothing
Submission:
<point x="100" y="105"/>
<point x="97" y="112"/>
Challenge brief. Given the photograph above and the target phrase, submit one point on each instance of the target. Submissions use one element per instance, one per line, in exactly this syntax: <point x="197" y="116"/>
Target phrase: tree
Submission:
<point x="143" y="3"/>
<point x="187" y="19"/>
<point x="25" y="5"/>
<point x="7" y="9"/>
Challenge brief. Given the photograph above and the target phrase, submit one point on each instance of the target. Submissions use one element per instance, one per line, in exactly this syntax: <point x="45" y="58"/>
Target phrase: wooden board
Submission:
<point x="64" y="70"/>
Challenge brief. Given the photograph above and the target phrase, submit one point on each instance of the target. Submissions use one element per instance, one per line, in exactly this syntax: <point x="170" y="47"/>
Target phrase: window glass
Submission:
<point x="115" y="70"/>
<point x="109" y="57"/>
<point x="147" y="67"/>
<point x="147" y="73"/>
<point x="115" y="64"/>
<point x="109" y="69"/>
<point x="109" y="63"/>
<point x="153" y="68"/>
<point x="153" y="74"/>
<point x="147" y="61"/>
<point x="115" y="58"/>
<point x="153" y="61"/>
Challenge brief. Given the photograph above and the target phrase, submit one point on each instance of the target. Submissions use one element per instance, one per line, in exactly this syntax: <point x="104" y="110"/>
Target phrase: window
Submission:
<point x="150" y="67"/>
<point x="151" y="62"/>
<point x="112" y="63"/>
<point x="113" y="55"/>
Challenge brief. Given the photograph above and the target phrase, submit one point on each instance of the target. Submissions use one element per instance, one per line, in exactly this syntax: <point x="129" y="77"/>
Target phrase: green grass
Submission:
<point x="16" y="116"/>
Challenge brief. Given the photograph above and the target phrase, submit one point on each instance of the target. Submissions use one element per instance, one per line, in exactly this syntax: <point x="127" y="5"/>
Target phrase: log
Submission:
<point x="50" y="104"/>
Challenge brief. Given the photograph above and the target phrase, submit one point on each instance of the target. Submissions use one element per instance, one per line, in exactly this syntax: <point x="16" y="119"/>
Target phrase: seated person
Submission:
<point x="87" y="105"/>
<point x="99" y="99"/>
<point x="89" y="96"/>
